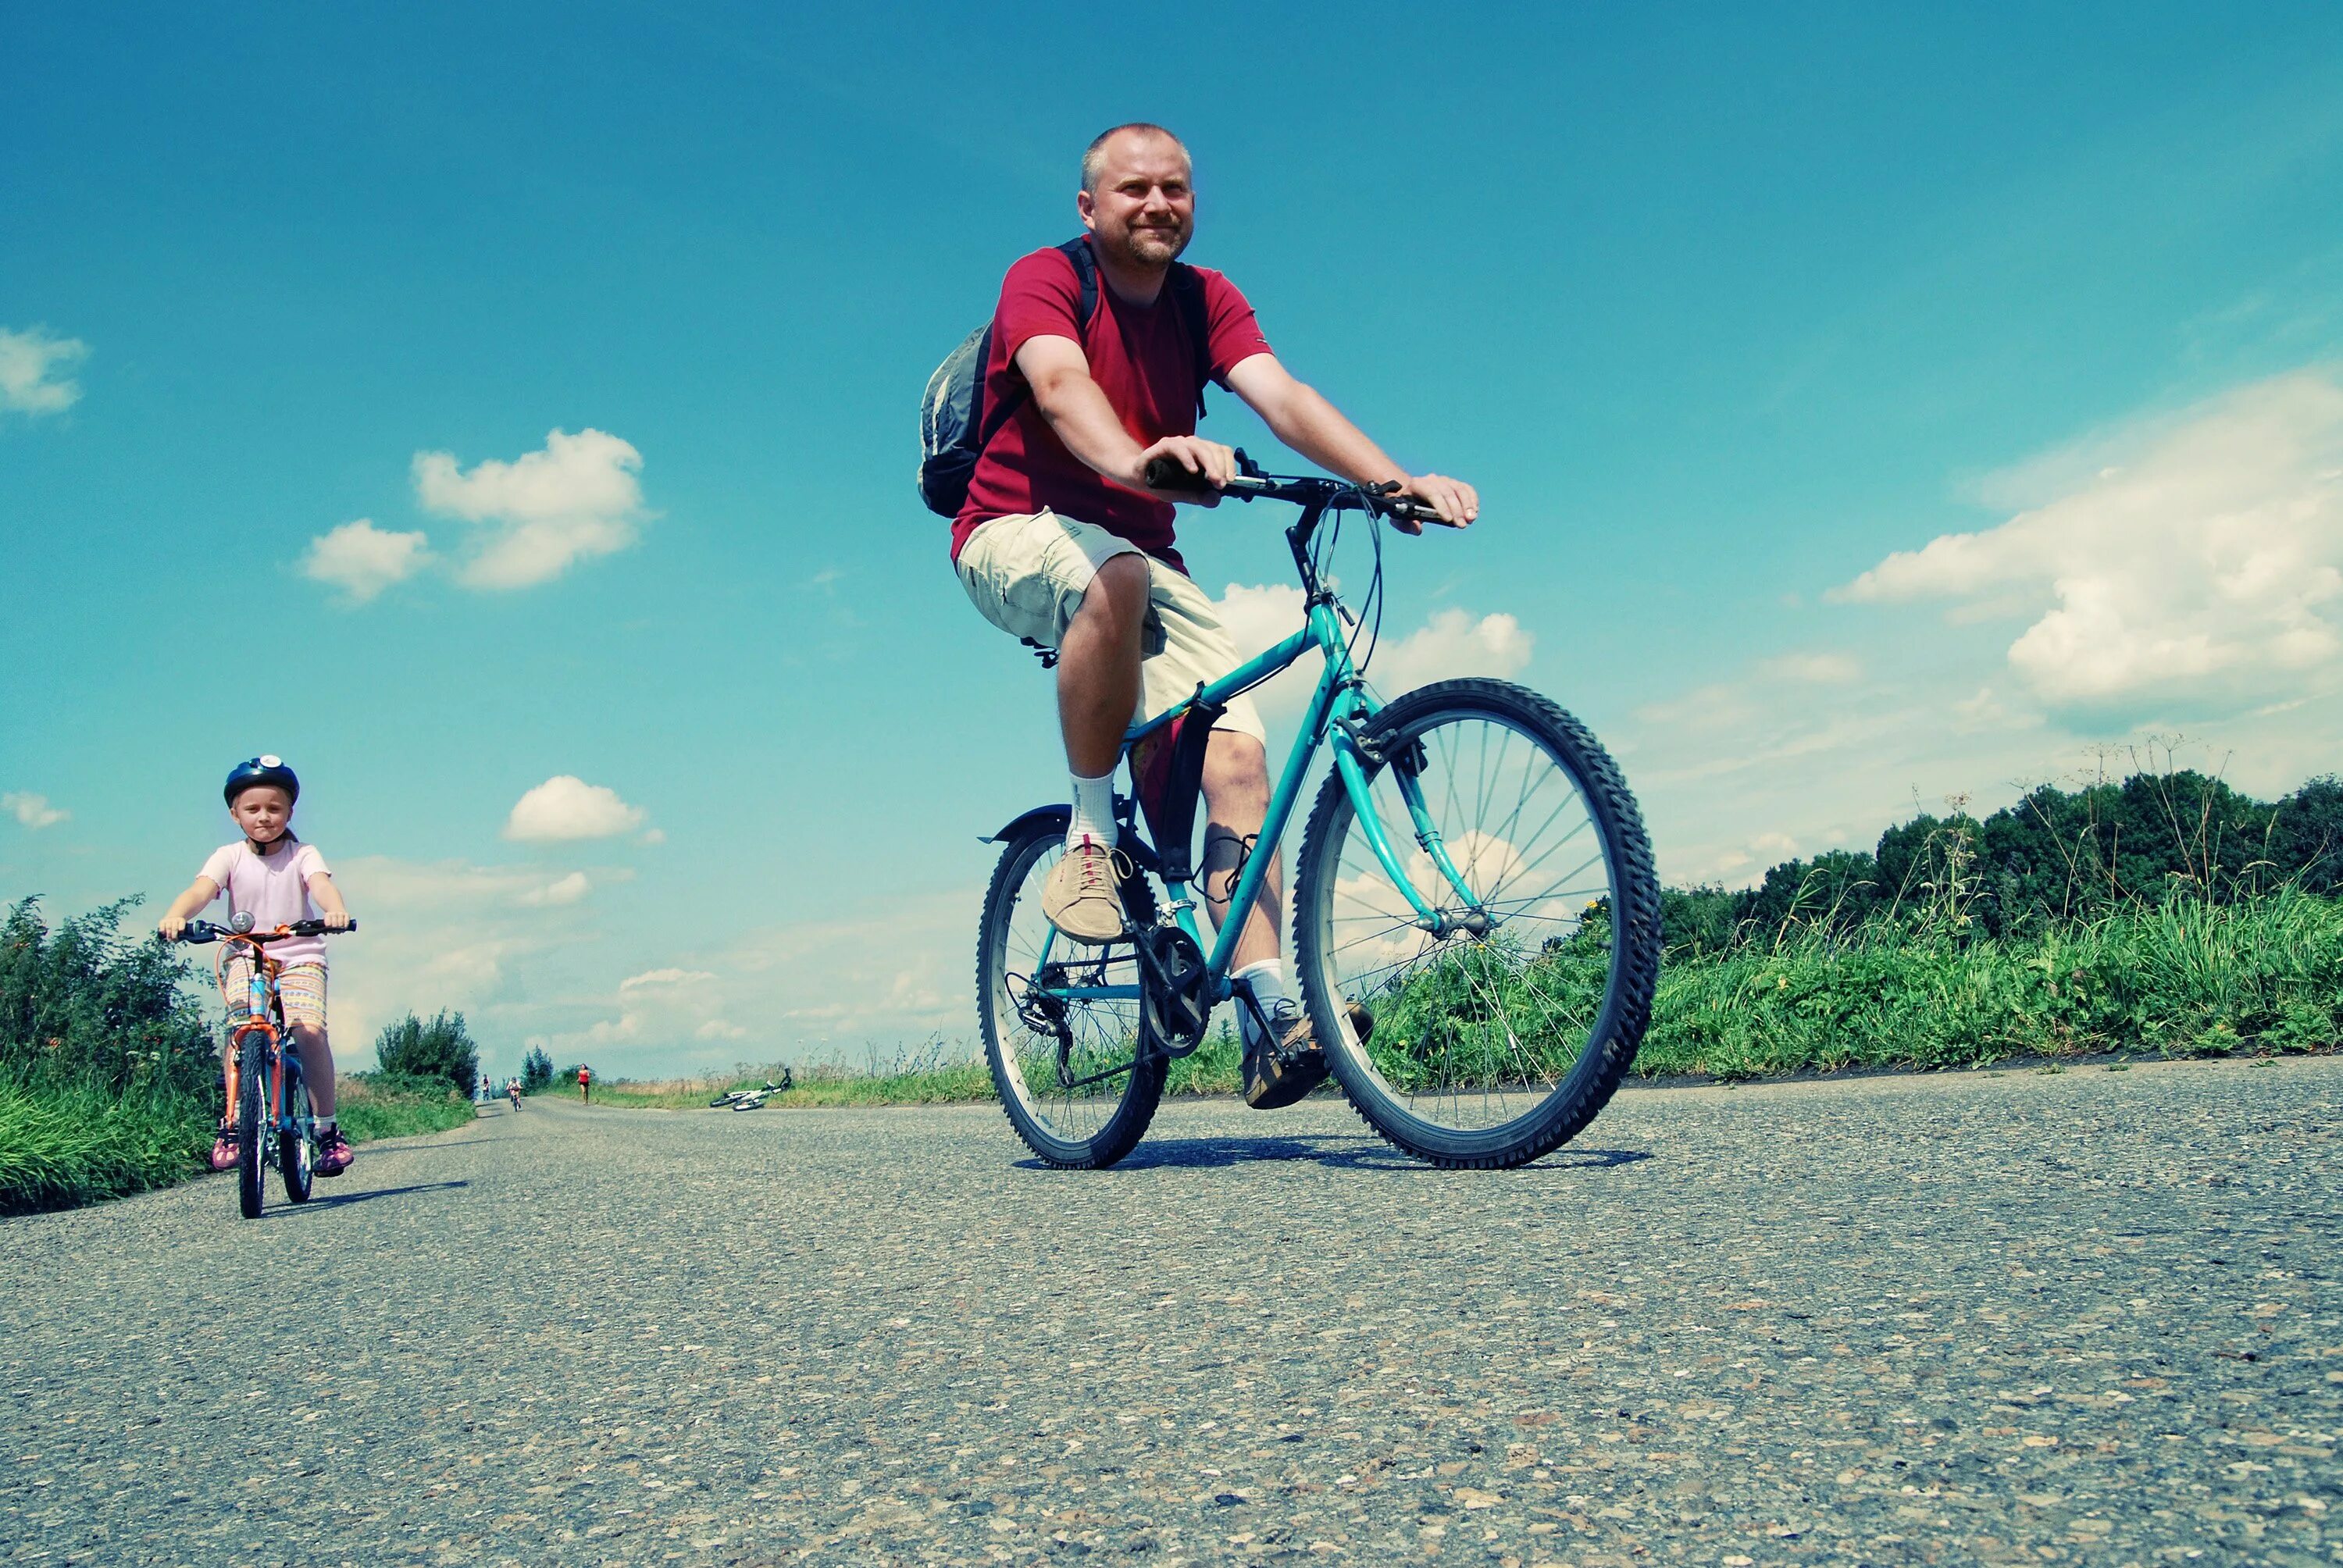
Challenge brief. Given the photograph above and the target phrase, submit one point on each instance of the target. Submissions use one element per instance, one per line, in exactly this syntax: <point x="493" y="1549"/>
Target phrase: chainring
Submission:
<point x="1174" y="1008"/>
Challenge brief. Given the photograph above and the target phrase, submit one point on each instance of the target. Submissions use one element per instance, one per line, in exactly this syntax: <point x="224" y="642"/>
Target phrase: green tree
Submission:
<point x="536" y="1070"/>
<point x="2306" y="836"/>
<point x="440" y="1048"/>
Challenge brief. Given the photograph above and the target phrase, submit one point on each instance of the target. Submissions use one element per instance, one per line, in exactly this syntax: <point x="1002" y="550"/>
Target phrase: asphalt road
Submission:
<point x="2089" y="1316"/>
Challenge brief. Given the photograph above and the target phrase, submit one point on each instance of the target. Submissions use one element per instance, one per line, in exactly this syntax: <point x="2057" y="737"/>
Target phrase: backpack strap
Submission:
<point x="1076" y="252"/>
<point x="1187" y="285"/>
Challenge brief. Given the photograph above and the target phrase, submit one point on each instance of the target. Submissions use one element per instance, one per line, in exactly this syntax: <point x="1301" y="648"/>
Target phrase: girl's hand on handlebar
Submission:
<point x="337" y="920"/>
<point x="170" y="926"/>
<point x="1457" y="502"/>
<point x="1211" y="464"/>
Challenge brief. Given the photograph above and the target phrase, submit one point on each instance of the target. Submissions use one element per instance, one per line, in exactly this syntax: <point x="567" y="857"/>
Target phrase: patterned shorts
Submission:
<point x="302" y="987"/>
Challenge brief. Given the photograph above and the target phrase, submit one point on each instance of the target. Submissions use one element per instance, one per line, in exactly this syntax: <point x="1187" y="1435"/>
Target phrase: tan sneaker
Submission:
<point x="1082" y="899"/>
<point x="1274" y="1079"/>
<point x="1276" y="1075"/>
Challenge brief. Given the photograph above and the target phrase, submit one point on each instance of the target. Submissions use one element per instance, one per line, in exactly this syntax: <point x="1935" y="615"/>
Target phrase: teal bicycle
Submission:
<point x="1476" y="922"/>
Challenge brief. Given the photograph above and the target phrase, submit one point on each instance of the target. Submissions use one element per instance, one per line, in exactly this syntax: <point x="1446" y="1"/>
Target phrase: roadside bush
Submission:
<point x="86" y="1006"/>
<point x="438" y="1049"/>
<point x="399" y="1105"/>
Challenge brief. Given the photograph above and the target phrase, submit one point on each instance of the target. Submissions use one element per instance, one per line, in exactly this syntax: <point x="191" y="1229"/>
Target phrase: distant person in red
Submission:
<point x="585" y="1082"/>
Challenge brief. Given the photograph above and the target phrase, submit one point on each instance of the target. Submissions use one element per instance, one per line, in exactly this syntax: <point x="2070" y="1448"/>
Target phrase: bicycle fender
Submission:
<point x="1039" y="816"/>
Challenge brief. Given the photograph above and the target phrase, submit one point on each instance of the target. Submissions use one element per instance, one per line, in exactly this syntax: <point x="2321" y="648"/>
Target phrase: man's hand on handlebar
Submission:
<point x="1457" y="502"/>
<point x="1209" y="465"/>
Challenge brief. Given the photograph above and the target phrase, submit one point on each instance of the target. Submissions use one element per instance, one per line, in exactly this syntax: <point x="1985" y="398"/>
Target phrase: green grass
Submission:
<point x="2185" y="978"/>
<point x="65" y="1144"/>
<point x="68" y="1144"/>
<point x="371" y="1105"/>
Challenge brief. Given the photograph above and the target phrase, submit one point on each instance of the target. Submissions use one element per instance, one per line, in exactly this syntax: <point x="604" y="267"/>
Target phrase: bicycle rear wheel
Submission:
<point x="251" y="1095"/>
<point x="1500" y="1037"/>
<point x="1067" y="1069"/>
<point x="296" y="1151"/>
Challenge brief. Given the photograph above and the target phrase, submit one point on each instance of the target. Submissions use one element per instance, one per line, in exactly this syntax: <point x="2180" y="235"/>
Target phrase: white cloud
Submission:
<point x="566" y="889"/>
<point x="1257" y="619"/>
<point x="662" y="978"/>
<point x="447" y="934"/>
<point x="1815" y="668"/>
<point x="567" y="807"/>
<point x="362" y="560"/>
<point x="30" y="366"/>
<point x="2203" y="570"/>
<point x="1451" y="644"/>
<point x="32" y="811"/>
<point x="574" y="500"/>
<point x="719" y="1029"/>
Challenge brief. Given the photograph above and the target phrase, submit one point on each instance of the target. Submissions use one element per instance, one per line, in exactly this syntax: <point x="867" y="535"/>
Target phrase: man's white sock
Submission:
<point x="1093" y="810"/>
<point x="325" y="1124"/>
<point x="1267" y="978"/>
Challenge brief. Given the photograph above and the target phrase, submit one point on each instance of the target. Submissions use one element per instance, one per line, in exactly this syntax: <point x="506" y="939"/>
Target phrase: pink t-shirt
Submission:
<point x="275" y="888"/>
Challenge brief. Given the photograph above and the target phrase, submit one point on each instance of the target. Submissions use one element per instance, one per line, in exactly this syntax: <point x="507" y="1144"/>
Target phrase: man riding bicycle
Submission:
<point x="1062" y="543"/>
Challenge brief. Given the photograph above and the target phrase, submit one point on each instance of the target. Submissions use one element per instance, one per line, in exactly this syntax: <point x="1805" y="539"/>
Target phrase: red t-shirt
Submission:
<point x="1141" y="359"/>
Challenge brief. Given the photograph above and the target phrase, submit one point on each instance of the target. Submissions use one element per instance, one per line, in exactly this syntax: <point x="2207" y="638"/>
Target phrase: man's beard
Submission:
<point x="1153" y="247"/>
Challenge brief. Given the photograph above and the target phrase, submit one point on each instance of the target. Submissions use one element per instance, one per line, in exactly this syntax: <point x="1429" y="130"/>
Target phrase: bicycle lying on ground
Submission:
<point x="753" y="1099"/>
<point x="1476" y="922"/>
<point x="272" y="1094"/>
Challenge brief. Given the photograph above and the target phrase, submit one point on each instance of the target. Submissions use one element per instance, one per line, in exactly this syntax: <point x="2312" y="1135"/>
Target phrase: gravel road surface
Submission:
<point x="2089" y="1316"/>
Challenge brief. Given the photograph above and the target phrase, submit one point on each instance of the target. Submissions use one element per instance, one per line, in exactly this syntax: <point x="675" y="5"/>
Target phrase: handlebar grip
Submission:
<point x="1170" y="474"/>
<point x="318" y="929"/>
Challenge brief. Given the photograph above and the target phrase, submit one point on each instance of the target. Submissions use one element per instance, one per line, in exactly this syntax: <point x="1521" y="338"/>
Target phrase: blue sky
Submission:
<point x="1732" y="313"/>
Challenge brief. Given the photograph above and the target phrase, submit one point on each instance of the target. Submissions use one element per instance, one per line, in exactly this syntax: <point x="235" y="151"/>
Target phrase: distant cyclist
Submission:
<point x="270" y="874"/>
<point x="1061" y="542"/>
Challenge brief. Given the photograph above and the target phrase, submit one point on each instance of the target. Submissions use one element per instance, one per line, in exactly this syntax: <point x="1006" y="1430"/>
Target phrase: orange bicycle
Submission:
<point x="274" y="1124"/>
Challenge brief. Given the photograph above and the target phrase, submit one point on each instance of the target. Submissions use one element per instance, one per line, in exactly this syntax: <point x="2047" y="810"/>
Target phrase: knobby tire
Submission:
<point x="1142" y="1086"/>
<point x="1627" y="1008"/>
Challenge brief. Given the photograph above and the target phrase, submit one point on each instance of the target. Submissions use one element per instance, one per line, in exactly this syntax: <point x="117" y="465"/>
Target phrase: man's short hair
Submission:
<point x="1094" y="155"/>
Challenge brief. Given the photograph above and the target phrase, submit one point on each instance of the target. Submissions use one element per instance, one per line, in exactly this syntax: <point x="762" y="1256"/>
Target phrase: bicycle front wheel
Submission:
<point x="297" y="1149"/>
<point x="251" y="1120"/>
<point x="1496" y="1037"/>
<point x="1065" y="1060"/>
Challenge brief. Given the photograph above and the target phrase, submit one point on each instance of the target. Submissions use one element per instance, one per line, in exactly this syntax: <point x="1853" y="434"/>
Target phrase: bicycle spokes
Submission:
<point x="1484" y="1007"/>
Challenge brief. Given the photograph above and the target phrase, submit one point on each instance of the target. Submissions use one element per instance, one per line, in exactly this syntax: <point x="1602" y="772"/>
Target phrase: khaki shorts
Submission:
<point x="1027" y="575"/>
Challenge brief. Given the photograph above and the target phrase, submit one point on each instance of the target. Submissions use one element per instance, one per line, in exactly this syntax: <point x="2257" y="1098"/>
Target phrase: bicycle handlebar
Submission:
<point x="1170" y="474"/>
<point x="198" y="932"/>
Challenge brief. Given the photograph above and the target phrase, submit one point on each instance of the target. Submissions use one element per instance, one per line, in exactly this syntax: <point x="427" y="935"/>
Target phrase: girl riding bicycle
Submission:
<point x="269" y="874"/>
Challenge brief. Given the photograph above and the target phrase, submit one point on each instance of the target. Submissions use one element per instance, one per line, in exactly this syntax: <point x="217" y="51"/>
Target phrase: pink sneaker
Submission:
<point x="334" y="1155"/>
<point x="224" y="1149"/>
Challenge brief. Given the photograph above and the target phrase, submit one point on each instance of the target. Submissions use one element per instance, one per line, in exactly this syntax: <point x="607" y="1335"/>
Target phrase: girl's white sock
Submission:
<point x="1093" y="810"/>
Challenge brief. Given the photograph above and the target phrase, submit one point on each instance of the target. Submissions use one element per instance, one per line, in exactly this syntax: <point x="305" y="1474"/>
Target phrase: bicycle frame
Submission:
<point x="263" y="1009"/>
<point x="1339" y="711"/>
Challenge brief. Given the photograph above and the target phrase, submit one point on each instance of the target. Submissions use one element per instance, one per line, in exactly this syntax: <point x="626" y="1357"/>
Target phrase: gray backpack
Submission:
<point x="956" y="425"/>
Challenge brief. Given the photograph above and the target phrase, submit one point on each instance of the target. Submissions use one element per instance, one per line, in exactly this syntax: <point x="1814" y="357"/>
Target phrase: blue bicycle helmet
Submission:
<point x="261" y="771"/>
